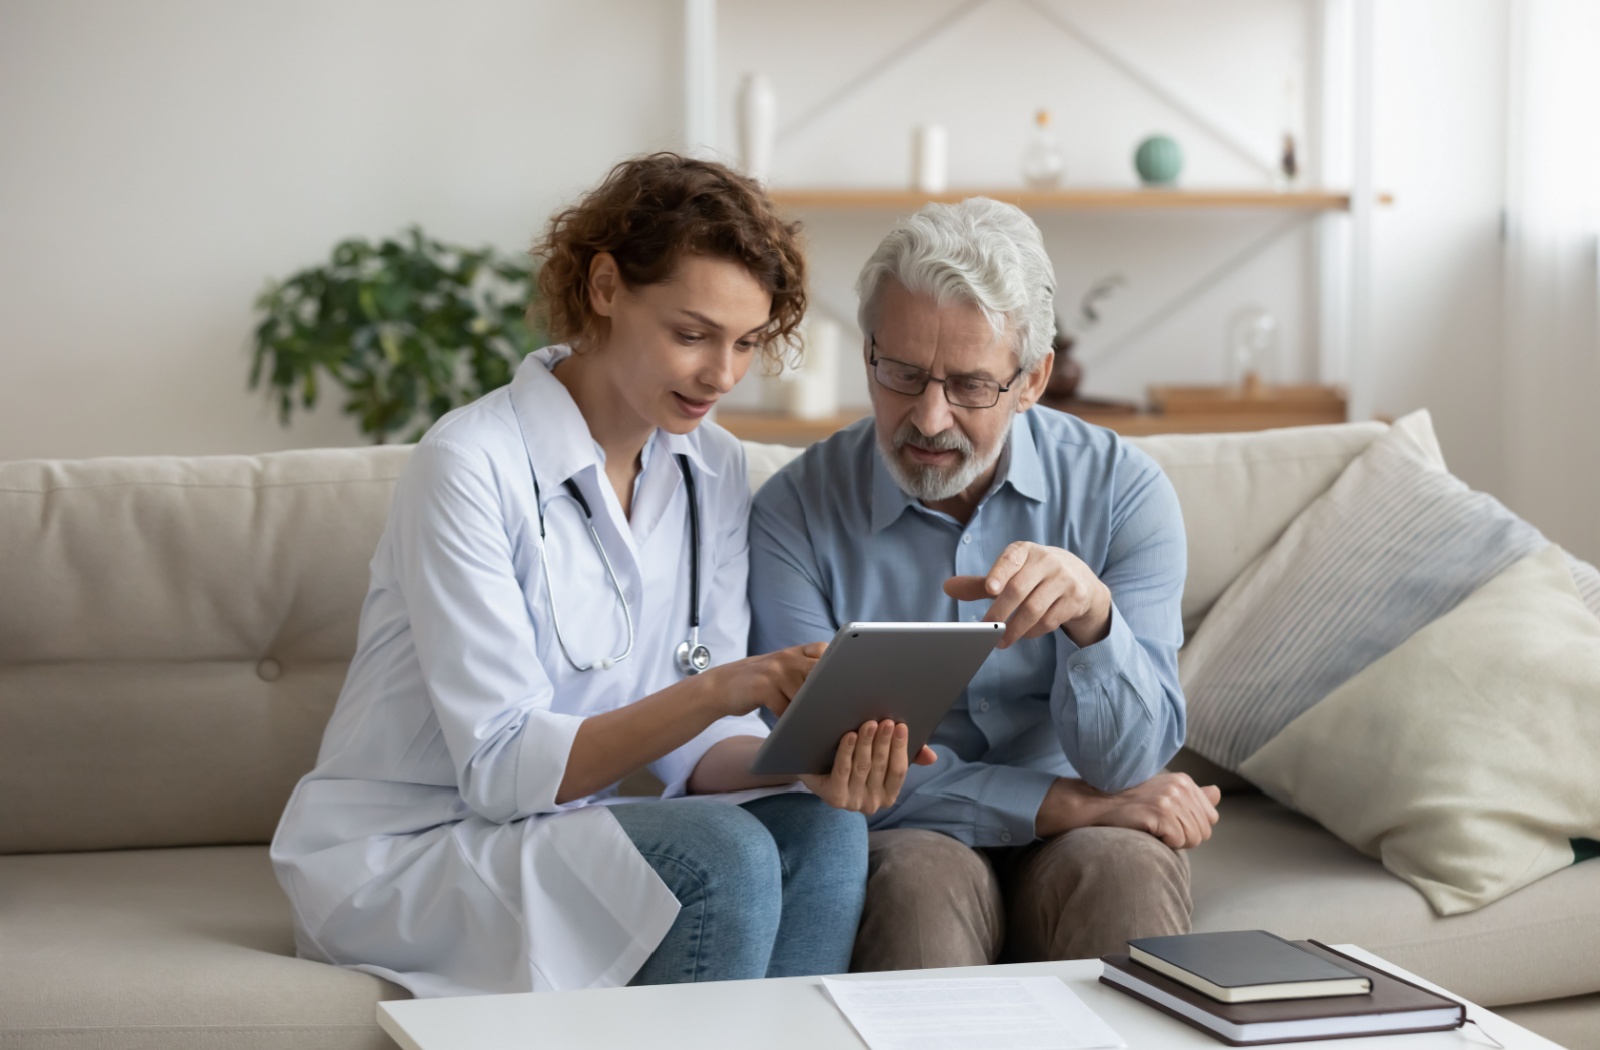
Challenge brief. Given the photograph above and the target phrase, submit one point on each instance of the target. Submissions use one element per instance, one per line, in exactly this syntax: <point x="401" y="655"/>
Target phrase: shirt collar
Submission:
<point x="552" y="424"/>
<point x="1019" y="467"/>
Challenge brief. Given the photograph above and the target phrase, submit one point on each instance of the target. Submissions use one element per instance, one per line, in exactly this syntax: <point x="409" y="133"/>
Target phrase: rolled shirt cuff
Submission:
<point x="675" y="767"/>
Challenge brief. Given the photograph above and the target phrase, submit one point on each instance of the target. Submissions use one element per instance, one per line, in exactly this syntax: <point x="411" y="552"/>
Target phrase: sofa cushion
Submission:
<point x="1240" y="491"/>
<point x="174" y="634"/>
<point x="1395" y="543"/>
<point x="1268" y="868"/>
<point x="1465" y="759"/>
<point x="168" y="949"/>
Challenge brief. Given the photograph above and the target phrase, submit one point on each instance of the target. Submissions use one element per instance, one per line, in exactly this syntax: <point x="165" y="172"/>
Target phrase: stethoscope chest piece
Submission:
<point x="693" y="657"/>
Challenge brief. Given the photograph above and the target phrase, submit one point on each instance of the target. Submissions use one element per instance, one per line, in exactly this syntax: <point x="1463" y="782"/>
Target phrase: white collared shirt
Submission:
<point x="453" y="730"/>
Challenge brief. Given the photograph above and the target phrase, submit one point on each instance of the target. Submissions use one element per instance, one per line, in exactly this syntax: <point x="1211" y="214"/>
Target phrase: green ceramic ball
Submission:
<point x="1158" y="160"/>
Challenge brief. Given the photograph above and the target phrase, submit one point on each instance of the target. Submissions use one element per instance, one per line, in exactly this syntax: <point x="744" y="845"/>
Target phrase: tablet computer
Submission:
<point x="910" y="672"/>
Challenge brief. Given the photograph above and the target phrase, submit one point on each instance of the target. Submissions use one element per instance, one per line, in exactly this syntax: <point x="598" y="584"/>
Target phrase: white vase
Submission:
<point x="758" y="120"/>
<point x="811" y="391"/>
<point x="929" y="158"/>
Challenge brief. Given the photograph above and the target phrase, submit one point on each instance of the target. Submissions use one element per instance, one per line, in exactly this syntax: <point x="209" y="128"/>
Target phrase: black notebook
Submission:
<point x="1246" y="966"/>
<point x="1393" y="1006"/>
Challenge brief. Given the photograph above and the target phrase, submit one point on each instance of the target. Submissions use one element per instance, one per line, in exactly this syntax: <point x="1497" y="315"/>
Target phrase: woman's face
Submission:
<point x="674" y="348"/>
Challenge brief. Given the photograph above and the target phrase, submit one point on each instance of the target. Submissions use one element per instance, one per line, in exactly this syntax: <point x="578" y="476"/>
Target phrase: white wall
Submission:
<point x="1439" y="146"/>
<point x="159" y="161"/>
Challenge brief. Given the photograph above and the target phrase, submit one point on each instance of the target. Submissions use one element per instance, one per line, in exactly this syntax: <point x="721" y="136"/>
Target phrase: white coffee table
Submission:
<point x="794" y="1013"/>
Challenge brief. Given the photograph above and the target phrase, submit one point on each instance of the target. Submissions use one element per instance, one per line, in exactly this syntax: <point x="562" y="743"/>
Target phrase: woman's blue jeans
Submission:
<point x="772" y="888"/>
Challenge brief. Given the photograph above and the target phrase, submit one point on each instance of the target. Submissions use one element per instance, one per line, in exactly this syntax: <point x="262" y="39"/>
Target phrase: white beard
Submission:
<point x="929" y="483"/>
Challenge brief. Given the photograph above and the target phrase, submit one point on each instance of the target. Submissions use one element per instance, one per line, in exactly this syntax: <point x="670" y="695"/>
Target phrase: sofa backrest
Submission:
<point x="174" y="632"/>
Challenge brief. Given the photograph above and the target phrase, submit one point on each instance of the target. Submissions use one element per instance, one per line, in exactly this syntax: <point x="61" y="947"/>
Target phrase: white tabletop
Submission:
<point x="795" y="1013"/>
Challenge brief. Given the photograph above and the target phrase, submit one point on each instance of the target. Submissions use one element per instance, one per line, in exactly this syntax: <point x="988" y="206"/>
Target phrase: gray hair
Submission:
<point x="979" y="251"/>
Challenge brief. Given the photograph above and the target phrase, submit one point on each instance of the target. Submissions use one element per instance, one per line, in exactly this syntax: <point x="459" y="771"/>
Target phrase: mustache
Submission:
<point x="948" y="439"/>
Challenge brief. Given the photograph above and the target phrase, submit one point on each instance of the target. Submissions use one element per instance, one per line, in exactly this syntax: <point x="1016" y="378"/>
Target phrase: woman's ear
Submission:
<point x="605" y="281"/>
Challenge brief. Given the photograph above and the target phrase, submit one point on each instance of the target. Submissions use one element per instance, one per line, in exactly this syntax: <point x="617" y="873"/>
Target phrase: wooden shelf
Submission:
<point x="1189" y="410"/>
<point x="1085" y="199"/>
<point x="785" y="430"/>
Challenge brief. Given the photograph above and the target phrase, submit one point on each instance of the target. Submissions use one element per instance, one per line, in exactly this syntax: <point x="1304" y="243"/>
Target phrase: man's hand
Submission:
<point x="1170" y="806"/>
<point x="868" y="769"/>
<point x="1037" y="589"/>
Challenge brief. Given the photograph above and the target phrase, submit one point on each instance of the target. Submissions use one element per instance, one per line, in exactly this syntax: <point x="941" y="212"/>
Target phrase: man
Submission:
<point x="1046" y="829"/>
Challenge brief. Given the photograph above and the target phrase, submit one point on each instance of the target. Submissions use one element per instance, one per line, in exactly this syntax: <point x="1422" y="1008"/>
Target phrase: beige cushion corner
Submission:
<point x="168" y="949"/>
<point x="1465" y="759"/>
<point x="1240" y="491"/>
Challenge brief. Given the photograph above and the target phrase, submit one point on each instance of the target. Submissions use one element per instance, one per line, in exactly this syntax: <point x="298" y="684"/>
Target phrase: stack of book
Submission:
<point x="1249" y="986"/>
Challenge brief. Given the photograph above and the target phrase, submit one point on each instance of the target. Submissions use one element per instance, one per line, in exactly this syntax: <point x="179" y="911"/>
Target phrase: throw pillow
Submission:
<point x="1464" y="759"/>
<point x="1394" y="543"/>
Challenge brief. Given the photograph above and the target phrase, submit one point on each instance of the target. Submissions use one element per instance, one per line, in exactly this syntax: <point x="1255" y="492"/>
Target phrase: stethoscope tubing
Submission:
<point x="692" y="657"/>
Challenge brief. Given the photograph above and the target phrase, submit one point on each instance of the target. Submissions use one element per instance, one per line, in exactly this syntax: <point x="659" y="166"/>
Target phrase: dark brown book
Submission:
<point x="1392" y="1007"/>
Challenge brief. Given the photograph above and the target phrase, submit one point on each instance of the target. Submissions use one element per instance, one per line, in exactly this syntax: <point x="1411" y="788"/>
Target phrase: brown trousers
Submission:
<point x="932" y="901"/>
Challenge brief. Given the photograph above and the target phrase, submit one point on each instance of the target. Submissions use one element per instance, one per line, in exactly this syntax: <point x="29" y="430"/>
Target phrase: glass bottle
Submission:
<point x="1042" y="166"/>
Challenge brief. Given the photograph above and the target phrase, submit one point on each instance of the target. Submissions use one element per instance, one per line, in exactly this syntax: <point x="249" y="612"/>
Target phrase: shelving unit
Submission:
<point x="1337" y="203"/>
<point x="1084" y="199"/>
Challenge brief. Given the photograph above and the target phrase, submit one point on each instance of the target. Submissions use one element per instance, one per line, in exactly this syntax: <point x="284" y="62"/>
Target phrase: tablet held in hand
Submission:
<point x="910" y="672"/>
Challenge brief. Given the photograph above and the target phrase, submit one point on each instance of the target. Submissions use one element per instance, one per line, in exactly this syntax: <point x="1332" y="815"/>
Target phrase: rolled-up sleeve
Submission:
<point x="474" y="638"/>
<point x="1117" y="705"/>
<point x="724" y="617"/>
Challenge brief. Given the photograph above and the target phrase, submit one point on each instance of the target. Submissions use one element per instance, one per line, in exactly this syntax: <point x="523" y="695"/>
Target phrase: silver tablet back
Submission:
<point x="910" y="672"/>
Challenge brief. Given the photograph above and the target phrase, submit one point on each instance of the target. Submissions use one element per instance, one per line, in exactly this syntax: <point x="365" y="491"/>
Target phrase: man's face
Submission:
<point x="938" y="451"/>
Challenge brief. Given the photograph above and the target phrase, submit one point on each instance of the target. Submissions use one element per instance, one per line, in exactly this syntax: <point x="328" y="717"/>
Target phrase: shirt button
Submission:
<point x="1079" y="667"/>
<point x="983" y="705"/>
<point x="973" y="617"/>
<point x="967" y="538"/>
<point x="1005" y="836"/>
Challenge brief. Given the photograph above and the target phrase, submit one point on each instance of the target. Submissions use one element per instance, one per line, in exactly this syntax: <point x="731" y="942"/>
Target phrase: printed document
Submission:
<point x="970" y="1013"/>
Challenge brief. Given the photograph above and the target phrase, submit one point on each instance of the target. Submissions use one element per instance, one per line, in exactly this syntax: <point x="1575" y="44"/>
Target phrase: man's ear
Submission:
<point x="1034" y="382"/>
<point x="605" y="282"/>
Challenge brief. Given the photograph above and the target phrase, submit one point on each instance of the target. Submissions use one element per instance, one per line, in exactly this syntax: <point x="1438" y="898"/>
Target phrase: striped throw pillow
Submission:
<point x="1394" y="544"/>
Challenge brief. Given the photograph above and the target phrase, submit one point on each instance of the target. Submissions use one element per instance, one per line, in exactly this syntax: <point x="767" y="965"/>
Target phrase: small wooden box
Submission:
<point x="1221" y="408"/>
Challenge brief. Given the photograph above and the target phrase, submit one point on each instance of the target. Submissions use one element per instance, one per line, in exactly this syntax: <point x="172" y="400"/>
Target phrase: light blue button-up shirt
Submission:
<point x="833" y="539"/>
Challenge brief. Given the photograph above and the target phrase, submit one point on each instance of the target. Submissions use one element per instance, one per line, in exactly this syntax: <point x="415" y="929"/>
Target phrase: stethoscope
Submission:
<point x="692" y="656"/>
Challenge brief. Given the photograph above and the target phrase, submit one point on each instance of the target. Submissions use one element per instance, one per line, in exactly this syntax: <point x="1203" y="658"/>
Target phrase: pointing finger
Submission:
<point x="1011" y="559"/>
<point x="966" y="588"/>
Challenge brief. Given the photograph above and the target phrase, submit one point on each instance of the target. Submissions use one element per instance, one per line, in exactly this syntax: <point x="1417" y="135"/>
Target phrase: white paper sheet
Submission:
<point x="970" y="1013"/>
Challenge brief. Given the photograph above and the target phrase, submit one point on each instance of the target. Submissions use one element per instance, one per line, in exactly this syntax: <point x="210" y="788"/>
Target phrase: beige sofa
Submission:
<point x="173" y="633"/>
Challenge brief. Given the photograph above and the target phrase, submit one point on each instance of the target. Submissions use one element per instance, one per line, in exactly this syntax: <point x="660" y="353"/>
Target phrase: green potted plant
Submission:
<point x="409" y="328"/>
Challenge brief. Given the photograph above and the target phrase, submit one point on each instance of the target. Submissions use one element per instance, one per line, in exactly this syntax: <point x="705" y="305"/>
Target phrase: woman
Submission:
<point x="562" y="558"/>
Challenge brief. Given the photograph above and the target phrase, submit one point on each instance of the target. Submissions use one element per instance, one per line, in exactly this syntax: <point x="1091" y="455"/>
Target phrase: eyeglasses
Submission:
<point x="961" y="391"/>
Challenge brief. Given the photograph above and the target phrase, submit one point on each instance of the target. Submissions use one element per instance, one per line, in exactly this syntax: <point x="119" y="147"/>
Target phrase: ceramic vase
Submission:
<point x="758" y="126"/>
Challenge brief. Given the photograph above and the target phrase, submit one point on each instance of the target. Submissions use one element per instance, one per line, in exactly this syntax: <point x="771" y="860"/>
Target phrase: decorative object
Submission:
<point x="1288" y="161"/>
<point x="409" y="328"/>
<point x="1252" y="350"/>
<point x="1042" y="164"/>
<point x="929" y="158"/>
<point x="808" y="389"/>
<point x="1066" y="374"/>
<point x="1158" y="160"/>
<point x="1288" y="164"/>
<point x="758" y="126"/>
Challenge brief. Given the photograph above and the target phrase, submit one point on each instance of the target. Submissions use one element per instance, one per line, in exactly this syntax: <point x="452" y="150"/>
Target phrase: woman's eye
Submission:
<point x="745" y="345"/>
<point x="689" y="338"/>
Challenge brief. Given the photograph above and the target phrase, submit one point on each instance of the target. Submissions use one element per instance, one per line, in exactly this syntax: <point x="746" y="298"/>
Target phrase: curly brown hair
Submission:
<point x="648" y="213"/>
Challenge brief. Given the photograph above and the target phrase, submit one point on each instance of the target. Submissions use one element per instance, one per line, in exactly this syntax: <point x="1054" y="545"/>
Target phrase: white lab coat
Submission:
<point x="426" y="846"/>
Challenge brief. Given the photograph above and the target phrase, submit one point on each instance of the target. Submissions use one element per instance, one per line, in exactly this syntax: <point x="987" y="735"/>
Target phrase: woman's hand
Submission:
<point x="769" y="681"/>
<point x="868" y="769"/>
